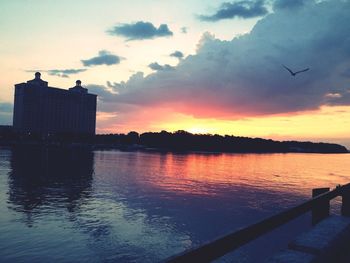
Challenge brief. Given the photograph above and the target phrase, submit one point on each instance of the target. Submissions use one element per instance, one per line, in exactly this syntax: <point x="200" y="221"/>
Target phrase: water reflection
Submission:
<point x="56" y="193"/>
<point x="44" y="178"/>
<point x="208" y="195"/>
<point x="215" y="174"/>
<point x="190" y="192"/>
<point x="111" y="206"/>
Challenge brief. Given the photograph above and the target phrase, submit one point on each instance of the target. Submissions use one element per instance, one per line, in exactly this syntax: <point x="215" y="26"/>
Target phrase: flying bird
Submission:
<point x="294" y="73"/>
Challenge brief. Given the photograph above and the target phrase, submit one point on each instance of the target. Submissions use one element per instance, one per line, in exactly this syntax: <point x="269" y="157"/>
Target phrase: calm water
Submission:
<point x="112" y="206"/>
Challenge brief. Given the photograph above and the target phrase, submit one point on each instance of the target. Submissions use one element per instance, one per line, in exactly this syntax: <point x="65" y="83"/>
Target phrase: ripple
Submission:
<point x="143" y="207"/>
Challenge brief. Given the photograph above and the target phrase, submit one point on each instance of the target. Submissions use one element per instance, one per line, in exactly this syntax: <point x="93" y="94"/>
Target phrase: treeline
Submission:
<point x="182" y="140"/>
<point x="178" y="141"/>
<point x="185" y="141"/>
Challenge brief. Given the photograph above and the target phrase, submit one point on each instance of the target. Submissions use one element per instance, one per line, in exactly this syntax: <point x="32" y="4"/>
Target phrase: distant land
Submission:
<point x="182" y="140"/>
<point x="179" y="141"/>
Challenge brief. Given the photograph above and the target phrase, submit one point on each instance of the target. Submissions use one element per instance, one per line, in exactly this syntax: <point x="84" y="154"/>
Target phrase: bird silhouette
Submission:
<point x="294" y="73"/>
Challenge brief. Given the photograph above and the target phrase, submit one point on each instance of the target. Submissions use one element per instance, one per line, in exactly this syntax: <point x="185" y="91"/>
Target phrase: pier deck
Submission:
<point x="324" y="241"/>
<point x="328" y="241"/>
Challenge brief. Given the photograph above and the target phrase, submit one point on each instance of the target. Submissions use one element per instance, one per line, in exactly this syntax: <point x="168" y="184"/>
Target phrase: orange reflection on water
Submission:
<point x="211" y="174"/>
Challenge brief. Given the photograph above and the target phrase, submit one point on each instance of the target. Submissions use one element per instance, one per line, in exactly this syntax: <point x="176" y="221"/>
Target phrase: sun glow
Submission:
<point x="314" y="125"/>
<point x="199" y="130"/>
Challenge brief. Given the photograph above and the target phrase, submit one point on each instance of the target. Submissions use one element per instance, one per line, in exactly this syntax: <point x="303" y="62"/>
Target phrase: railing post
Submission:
<point x="321" y="209"/>
<point x="345" y="207"/>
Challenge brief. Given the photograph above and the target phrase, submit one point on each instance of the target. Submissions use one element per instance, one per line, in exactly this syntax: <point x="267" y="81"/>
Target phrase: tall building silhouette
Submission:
<point x="46" y="110"/>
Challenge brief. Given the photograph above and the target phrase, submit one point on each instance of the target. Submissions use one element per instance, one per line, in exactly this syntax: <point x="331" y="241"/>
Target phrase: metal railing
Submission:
<point x="319" y="205"/>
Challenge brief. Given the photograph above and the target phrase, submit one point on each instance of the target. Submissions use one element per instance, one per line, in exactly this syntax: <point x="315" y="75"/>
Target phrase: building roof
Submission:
<point x="37" y="81"/>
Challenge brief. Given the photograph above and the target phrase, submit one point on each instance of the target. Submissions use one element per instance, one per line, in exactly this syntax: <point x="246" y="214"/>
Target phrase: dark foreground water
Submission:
<point x="112" y="206"/>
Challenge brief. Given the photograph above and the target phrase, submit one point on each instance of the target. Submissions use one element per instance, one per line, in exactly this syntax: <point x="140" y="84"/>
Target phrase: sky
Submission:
<point x="197" y="65"/>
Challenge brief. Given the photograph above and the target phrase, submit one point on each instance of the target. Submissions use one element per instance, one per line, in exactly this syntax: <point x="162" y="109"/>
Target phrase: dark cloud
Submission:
<point x="63" y="73"/>
<point x="156" y="66"/>
<point x="281" y="4"/>
<point x="104" y="58"/>
<point x="6" y="107"/>
<point x="244" y="77"/>
<point x="101" y="91"/>
<point x="241" y="9"/>
<point x="345" y="73"/>
<point x="177" y="54"/>
<point x="184" y="30"/>
<point x="140" y="30"/>
<point x="6" y="110"/>
<point x="114" y="85"/>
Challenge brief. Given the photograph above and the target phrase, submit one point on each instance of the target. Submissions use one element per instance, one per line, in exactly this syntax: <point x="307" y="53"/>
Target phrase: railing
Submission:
<point x="319" y="205"/>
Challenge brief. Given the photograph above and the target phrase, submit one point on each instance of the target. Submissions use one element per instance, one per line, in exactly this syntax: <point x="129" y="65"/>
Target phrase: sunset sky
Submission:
<point x="198" y="65"/>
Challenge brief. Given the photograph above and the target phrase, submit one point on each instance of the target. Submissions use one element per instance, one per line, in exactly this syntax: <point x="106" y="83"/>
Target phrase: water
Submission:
<point x="113" y="206"/>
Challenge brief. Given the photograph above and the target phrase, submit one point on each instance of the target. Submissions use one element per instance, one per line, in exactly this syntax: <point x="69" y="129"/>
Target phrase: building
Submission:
<point x="45" y="110"/>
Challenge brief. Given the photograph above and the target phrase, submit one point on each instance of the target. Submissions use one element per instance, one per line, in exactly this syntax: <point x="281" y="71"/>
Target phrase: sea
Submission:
<point x="79" y="205"/>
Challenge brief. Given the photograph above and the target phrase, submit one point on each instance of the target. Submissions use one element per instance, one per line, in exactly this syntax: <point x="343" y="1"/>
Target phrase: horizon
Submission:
<point x="197" y="66"/>
<point x="214" y="134"/>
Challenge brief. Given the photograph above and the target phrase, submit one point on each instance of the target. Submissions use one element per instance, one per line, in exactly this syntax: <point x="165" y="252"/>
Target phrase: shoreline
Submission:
<point x="143" y="148"/>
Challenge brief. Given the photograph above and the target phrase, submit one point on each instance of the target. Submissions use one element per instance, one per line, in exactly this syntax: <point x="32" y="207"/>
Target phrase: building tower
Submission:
<point x="45" y="110"/>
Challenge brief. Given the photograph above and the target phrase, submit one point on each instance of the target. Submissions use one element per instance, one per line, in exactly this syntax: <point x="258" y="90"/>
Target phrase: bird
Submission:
<point x="294" y="73"/>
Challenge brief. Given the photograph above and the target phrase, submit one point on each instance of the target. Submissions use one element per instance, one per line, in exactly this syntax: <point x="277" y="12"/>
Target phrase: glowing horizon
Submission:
<point x="302" y="126"/>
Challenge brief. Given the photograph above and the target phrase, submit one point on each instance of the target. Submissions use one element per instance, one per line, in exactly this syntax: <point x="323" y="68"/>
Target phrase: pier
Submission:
<point x="325" y="242"/>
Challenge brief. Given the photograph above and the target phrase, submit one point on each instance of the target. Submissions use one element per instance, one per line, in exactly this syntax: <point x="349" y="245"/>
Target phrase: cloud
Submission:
<point x="140" y="30"/>
<point x="241" y="9"/>
<point x="184" y="30"/>
<point x="333" y="95"/>
<point x="281" y="4"/>
<point x="244" y="77"/>
<point x="114" y="85"/>
<point x="6" y="107"/>
<point x="63" y="73"/>
<point x="6" y="110"/>
<point x="177" y="54"/>
<point x="156" y="66"/>
<point x="103" y="93"/>
<point x="104" y="58"/>
<point x="346" y="73"/>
